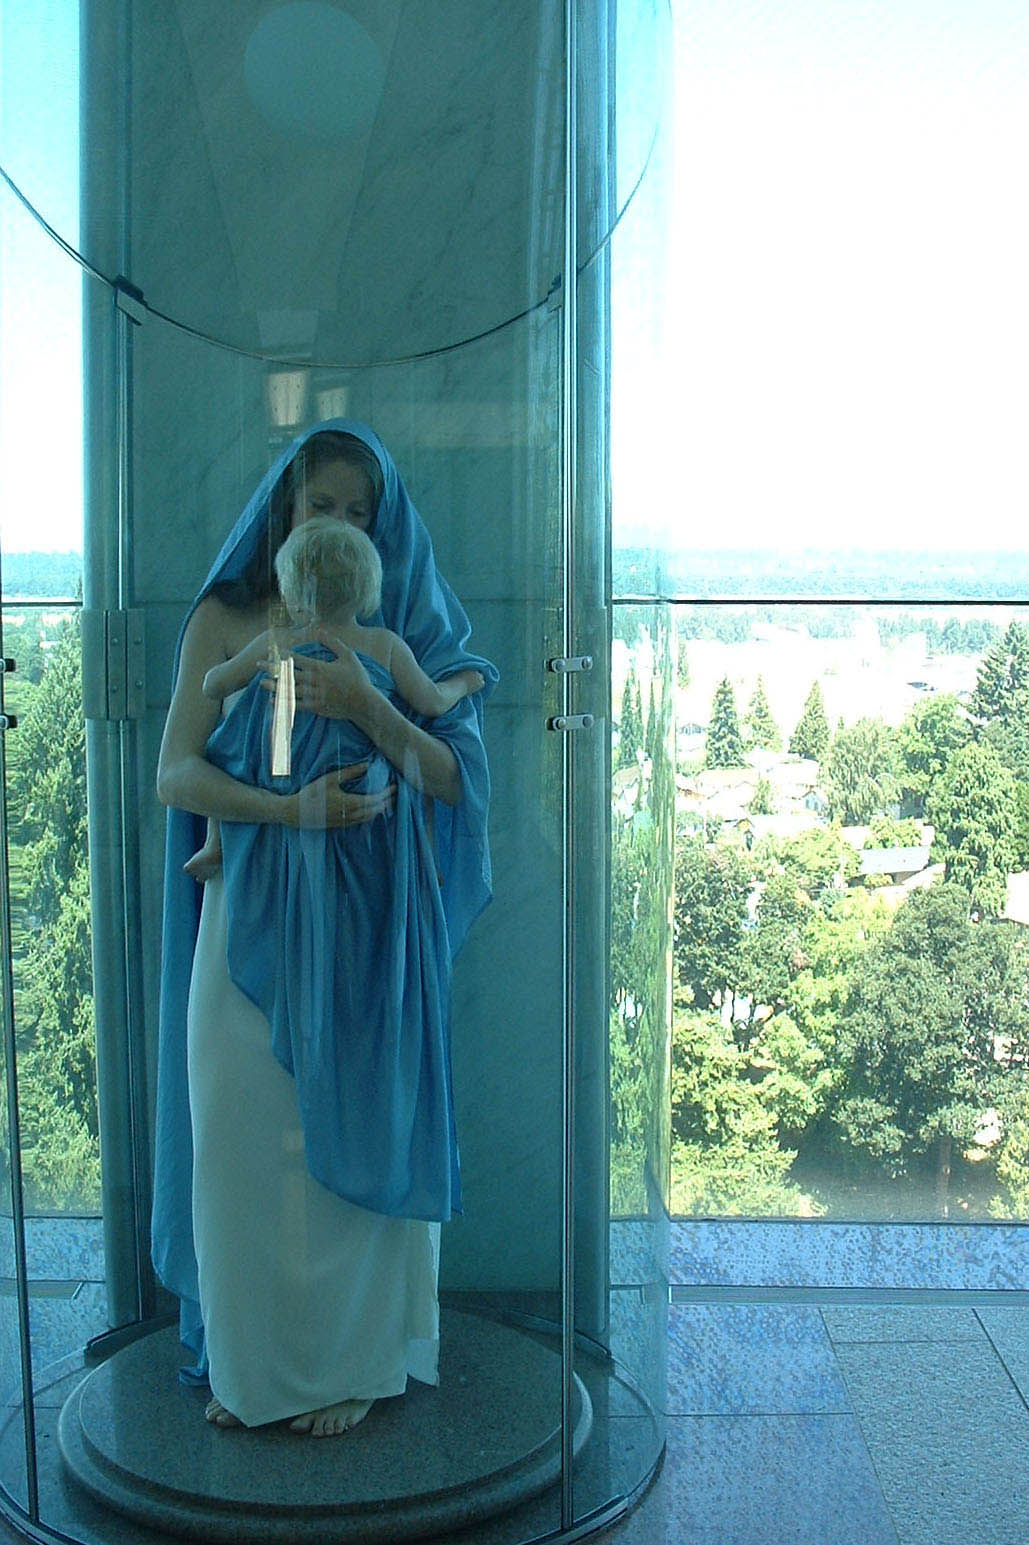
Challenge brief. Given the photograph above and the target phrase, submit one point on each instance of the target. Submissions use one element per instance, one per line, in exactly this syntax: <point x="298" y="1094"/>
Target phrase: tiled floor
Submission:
<point x="820" y="1419"/>
<point x="875" y="1423"/>
<point x="871" y="1424"/>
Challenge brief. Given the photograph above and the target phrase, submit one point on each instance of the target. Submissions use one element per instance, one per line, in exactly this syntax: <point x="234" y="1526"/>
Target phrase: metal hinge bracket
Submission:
<point x="113" y="664"/>
<point x="564" y="664"/>
<point x="128" y="297"/>
<point x="570" y="721"/>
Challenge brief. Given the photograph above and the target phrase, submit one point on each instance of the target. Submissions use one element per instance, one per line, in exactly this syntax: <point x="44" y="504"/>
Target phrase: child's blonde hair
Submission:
<point x="326" y="566"/>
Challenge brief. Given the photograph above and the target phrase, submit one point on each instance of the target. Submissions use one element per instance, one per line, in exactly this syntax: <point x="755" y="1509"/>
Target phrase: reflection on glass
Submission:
<point x="641" y="888"/>
<point x="51" y="935"/>
<point x="851" y="944"/>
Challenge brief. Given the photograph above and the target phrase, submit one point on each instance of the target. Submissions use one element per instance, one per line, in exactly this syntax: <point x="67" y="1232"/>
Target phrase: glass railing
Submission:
<point x="851" y="939"/>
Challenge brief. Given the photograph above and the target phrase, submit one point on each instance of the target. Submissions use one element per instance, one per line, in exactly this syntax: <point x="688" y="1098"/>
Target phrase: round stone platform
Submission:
<point x="421" y="1464"/>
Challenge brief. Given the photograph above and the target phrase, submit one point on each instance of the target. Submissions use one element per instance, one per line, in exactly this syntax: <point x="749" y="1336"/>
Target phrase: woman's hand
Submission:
<point x="327" y="805"/>
<point x="336" y="689"/>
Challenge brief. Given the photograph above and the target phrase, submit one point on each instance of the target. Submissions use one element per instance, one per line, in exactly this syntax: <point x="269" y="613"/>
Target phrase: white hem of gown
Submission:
<point x="306" y="1299"/>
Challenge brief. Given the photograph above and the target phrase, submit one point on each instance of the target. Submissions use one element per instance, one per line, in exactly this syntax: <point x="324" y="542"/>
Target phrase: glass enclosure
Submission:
<point x="216" y="233"/>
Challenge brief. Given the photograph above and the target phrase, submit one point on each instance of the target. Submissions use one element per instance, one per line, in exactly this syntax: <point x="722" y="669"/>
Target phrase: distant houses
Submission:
<point x="726" y="794"/>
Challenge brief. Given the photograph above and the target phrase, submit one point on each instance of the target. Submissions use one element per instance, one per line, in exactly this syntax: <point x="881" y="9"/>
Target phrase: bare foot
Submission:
<point x="332" y="1420"/>
<point x="204" y="864"/>
<point x="220" y="1415"/>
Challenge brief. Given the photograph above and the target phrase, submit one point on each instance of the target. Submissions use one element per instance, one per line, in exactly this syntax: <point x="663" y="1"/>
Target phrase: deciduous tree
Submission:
<point x="860" y="776"/>
<point x="934" y="1032"/>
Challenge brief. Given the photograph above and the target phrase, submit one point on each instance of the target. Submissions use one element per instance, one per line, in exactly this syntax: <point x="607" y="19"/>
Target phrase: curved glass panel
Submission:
<point x="619" y="340"/>
<point x="295" y="212"/>
<point x="320" y="186"/>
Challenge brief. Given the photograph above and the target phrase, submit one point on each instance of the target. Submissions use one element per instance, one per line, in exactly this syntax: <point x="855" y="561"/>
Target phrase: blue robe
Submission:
<point x="340" y="940"/>
<point x="418" y="604"/>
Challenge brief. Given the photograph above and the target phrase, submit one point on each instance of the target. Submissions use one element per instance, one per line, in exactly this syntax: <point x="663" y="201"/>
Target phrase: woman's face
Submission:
<point x="336" y="489"/>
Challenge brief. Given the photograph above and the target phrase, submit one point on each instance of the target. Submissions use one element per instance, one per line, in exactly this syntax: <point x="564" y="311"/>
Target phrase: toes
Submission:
<point x="303" y="1423"/>
<point x="220" y="1415"/>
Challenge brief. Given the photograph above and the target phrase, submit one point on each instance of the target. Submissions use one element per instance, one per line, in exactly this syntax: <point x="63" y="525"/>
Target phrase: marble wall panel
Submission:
<point x="433" y="219"/>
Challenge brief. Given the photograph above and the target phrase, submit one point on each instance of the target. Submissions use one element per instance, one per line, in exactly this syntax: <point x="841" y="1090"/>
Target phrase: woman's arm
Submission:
<point x="186" y="779"/>
<point x="425" y="695"/>
<point x="340" y="689"/>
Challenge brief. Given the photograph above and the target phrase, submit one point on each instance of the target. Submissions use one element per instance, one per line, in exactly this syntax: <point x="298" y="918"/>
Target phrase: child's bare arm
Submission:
<point x="425" y="695"/>
<point x="234" y="674"/>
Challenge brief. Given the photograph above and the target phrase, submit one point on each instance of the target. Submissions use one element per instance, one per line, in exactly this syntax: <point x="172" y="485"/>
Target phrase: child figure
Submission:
<point x="329" y="573"/>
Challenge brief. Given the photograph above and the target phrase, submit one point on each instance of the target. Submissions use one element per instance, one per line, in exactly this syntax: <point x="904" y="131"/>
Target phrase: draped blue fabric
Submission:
<point x="418" y="604"/>
<point x="339" y="938"/>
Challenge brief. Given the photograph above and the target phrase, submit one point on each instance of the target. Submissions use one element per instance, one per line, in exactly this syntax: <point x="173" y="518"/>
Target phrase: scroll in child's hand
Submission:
<point x="284" y="708"/>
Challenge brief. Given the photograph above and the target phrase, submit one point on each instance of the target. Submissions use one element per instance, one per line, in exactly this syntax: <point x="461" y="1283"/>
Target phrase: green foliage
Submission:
<point x="773" y="950"/>
<point x="974" y="812"/>
<point x="815" y="858"/>
<point x="1021" y="833"/>
<point x="711" y="887"/>
<point x="41" y="575"/>
<point x="1002" y="686"/>
<point x="934" y="1030"/>
<point x="630" y="721"/>
<point x="641" y="883"/>
<point x="726" y="1156"/>
<point x="1012" y="1199"/>
<point x="23" y="641"/>
<point x="929" y="737"/>
<point x="860" y="774"/>
<point x="682" y="663"/>
<point x="811" y="737"/>
<point x="54" y="1000"/>
<point x="724" y="740"/>
<point x="837" y="937"/>
<point x="763" y="730"/>
<point x="795" y="1080"/>
<point x="885" y="831"/>
<point x="762" y="801"/>
<point x="950" y="637"/>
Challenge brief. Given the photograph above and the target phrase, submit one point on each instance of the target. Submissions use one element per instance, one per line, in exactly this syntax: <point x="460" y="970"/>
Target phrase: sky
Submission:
<point x="845" y="311"/>
<point x="820" y="306"/>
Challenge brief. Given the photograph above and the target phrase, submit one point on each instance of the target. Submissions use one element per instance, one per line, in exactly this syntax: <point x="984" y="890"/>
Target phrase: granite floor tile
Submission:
<point x="901" y="1322"/>
<point x="778" y="1253"/>
<point x="639" y="1344"/>
<point x="1007" y="1327"/>
<point x="949" y="1436"/>
<point x="754" y="1480"/>
<point x="730" y="1359"/>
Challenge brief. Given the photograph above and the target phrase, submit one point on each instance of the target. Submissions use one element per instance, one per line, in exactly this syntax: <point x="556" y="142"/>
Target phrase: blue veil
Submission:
<point x="418" y="604"/>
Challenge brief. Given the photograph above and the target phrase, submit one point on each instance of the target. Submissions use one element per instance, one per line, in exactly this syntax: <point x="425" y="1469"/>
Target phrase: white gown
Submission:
<point x="306" y="1299"/>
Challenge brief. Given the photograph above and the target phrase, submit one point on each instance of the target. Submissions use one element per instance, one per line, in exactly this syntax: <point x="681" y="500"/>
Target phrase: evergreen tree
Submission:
<point x="764" y="732"/>
<point x="811" y="737"/>
<point x="974" y="812"/>
<point x="762" y="801"/>
<point x="1002" y="687"/>
<point x="652" y="732"/>
<point x="860" y="777"/>
<point x="724" y="741"/>
<point x="682" y="664"/>
<point x="630" y="723"/>
<point x="56" y="1044"/>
